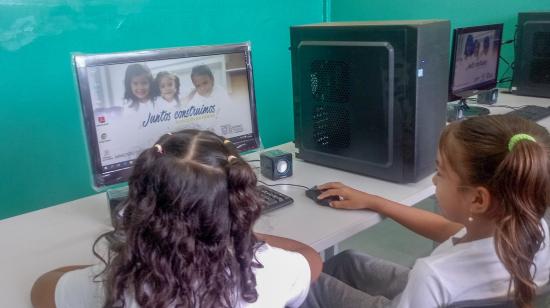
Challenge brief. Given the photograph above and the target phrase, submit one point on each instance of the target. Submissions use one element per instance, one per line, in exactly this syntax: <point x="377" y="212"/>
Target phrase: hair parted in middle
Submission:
<point x="165" y="74"/>
<point x="185" y="236"/>
<point x="132" y="71"/>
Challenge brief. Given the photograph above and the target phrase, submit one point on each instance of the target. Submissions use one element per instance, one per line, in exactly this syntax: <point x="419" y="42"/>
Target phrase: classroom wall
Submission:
<point x="42" y="153"/>
<point x="462" y="13"/>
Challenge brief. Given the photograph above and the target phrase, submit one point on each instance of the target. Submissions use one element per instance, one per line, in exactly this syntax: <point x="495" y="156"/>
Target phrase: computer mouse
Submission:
<point x="314" y="192"/>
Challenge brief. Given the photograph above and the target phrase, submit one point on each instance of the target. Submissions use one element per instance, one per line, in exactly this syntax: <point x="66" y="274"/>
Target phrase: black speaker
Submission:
<point x="276" y="164"/>
<point x="117" y="198"/>
<point x="532" y="55"/>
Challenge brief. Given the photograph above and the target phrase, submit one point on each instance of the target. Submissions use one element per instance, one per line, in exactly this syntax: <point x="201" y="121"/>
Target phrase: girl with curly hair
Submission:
<point x="185" y="239"/>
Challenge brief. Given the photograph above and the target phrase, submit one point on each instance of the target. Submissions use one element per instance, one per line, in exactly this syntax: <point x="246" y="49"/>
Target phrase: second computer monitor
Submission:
<point x="131" y="99"/>
<point x="474" y="60"/>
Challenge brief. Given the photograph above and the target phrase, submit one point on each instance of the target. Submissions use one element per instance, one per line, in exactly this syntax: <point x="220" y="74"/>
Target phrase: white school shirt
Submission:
<point x="170" y="106"/>
<point x="465" y="271"/>
<point x="220" y="100"/>
<point x="282" y="282"/>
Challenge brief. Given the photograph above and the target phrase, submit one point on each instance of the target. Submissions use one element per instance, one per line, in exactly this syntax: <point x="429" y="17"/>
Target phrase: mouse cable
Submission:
<point x="281" y="184"/>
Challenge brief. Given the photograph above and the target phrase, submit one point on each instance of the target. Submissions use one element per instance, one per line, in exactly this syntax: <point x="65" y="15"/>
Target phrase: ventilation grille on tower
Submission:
<point x="540" y="65"/>
<point x="331" y="126"/>
<point x="541" y="44"/>
<point x="330" y="81"/>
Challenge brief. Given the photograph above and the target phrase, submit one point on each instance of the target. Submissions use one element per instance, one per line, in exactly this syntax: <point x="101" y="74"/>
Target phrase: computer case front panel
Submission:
<point x="356" y="96"/>
<point x="532" y="55"/>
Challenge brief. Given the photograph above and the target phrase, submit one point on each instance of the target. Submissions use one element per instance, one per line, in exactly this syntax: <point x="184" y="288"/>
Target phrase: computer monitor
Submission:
<point x="475" y="56"/>
<point x="130" y="99"/>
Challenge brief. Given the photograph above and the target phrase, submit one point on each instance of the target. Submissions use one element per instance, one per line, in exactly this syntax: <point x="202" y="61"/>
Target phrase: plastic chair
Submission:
<point x="542" y="300"/>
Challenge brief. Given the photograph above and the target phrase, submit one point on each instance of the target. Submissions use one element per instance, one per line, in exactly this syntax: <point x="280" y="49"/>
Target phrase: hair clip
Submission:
<point x="517" y="138"/>
<point x="226" y="141"/>
<point x="230" y="158"/>
<point x="159" y="148"/>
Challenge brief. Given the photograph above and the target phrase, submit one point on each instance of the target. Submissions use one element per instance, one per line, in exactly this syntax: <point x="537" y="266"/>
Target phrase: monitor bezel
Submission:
<point x="491" y="84"/>
<point x="102" y="180"/>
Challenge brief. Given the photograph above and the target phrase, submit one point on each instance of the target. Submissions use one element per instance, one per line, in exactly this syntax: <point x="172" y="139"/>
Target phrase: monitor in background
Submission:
<point x="130" y="99"/>
<point x="475" y="56"/>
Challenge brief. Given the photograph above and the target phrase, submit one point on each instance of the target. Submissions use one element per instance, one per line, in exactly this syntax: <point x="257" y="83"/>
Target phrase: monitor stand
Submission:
<point x="461" y="110"/>
<point x="117" y="197"/>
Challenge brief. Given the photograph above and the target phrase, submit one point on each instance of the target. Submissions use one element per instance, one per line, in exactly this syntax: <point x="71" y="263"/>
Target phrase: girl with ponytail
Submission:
<point x="493" y="188"/>
<point x="185" y="239"/>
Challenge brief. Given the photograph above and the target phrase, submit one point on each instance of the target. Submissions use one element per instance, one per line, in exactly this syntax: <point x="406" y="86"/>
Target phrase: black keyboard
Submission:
<point x="272" y="199"/>
<point x="531" y="112"/>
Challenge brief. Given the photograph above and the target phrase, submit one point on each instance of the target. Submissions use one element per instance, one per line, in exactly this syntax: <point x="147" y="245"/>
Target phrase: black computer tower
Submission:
<point x="370" y="97"/>
<point x="532" y="55"/>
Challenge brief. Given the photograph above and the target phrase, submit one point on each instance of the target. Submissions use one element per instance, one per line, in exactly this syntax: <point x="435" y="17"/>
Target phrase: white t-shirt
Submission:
<point x="465" y="271"/>
<point x="141" y="107"/>
<point x="170" y="106"/>
<point x="283" y="281"/>
<point x="219" y="102"/>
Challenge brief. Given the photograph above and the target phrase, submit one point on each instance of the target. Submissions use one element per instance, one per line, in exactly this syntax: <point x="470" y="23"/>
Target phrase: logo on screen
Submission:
<point x="101" y="119"/>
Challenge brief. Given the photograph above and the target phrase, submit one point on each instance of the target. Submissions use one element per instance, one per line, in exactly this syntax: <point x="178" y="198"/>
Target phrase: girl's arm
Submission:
<point x="43" y="289"/>
<point x="312" y="257"/>
<point x="425" y="223"/>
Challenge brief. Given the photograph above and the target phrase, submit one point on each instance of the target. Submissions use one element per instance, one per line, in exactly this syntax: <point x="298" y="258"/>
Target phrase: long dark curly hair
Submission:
<point x="185" y="236"/>
<point x="518" y="179"/>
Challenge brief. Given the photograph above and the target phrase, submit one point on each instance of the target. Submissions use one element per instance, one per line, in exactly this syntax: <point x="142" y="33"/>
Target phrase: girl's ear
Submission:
<point x="481" y="200"/>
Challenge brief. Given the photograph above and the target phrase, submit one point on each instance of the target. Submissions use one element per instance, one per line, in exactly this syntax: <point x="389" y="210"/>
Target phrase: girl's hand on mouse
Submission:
<point x="350" y="198"/>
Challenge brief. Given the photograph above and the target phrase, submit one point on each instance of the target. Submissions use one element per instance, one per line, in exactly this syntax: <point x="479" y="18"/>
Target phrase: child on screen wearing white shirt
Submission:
<point x="138" y="88"/>
<point x="169" y="89"/>
<point x="208" y="94"/>
<point x="493" y="188"/>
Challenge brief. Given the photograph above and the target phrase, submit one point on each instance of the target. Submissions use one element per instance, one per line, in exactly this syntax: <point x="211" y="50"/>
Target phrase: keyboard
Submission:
<point x="272" y="199"/>
<point x="531" y="112"/>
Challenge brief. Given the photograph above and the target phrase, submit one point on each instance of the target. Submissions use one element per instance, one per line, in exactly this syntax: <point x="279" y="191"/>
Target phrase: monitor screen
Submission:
<point x="130" y="99"/>
<point x="474" y="60"/>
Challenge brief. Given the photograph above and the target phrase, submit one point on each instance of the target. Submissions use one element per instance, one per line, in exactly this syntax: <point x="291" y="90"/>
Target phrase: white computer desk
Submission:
<point x="36" y="242"/>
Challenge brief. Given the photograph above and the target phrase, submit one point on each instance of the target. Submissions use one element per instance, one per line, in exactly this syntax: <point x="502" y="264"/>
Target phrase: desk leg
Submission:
<point x="329" y="252"/>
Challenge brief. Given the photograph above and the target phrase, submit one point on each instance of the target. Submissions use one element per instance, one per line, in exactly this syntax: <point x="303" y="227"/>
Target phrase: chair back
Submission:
<point x="542" y="300"/>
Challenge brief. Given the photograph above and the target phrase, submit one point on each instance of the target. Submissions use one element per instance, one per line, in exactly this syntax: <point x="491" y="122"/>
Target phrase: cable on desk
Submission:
<point x="506" y="106"/>
<point x="283" y="184"/>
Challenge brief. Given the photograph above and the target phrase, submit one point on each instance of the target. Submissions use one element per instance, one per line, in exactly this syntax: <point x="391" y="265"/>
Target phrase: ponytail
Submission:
<point x="521" y="177"/>
<point x="510" y="157"/>
<point x="241" y="182"/>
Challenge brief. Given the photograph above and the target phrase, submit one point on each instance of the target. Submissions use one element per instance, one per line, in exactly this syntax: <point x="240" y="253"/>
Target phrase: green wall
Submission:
<point x="461" y="13"/>
<point x="42" y="153"/>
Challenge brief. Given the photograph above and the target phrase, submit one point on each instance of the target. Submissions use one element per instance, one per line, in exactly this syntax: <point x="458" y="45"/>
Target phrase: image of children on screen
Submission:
<point x="475" y="61"/>
<point x="135" y="103"/>
<point x="138" y="87"/>
<point x="168" y="85"/>
<point x="207" y="93"/>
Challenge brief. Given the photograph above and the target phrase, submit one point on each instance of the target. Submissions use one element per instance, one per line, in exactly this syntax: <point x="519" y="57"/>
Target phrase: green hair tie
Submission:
<point x="517" y="138"/>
